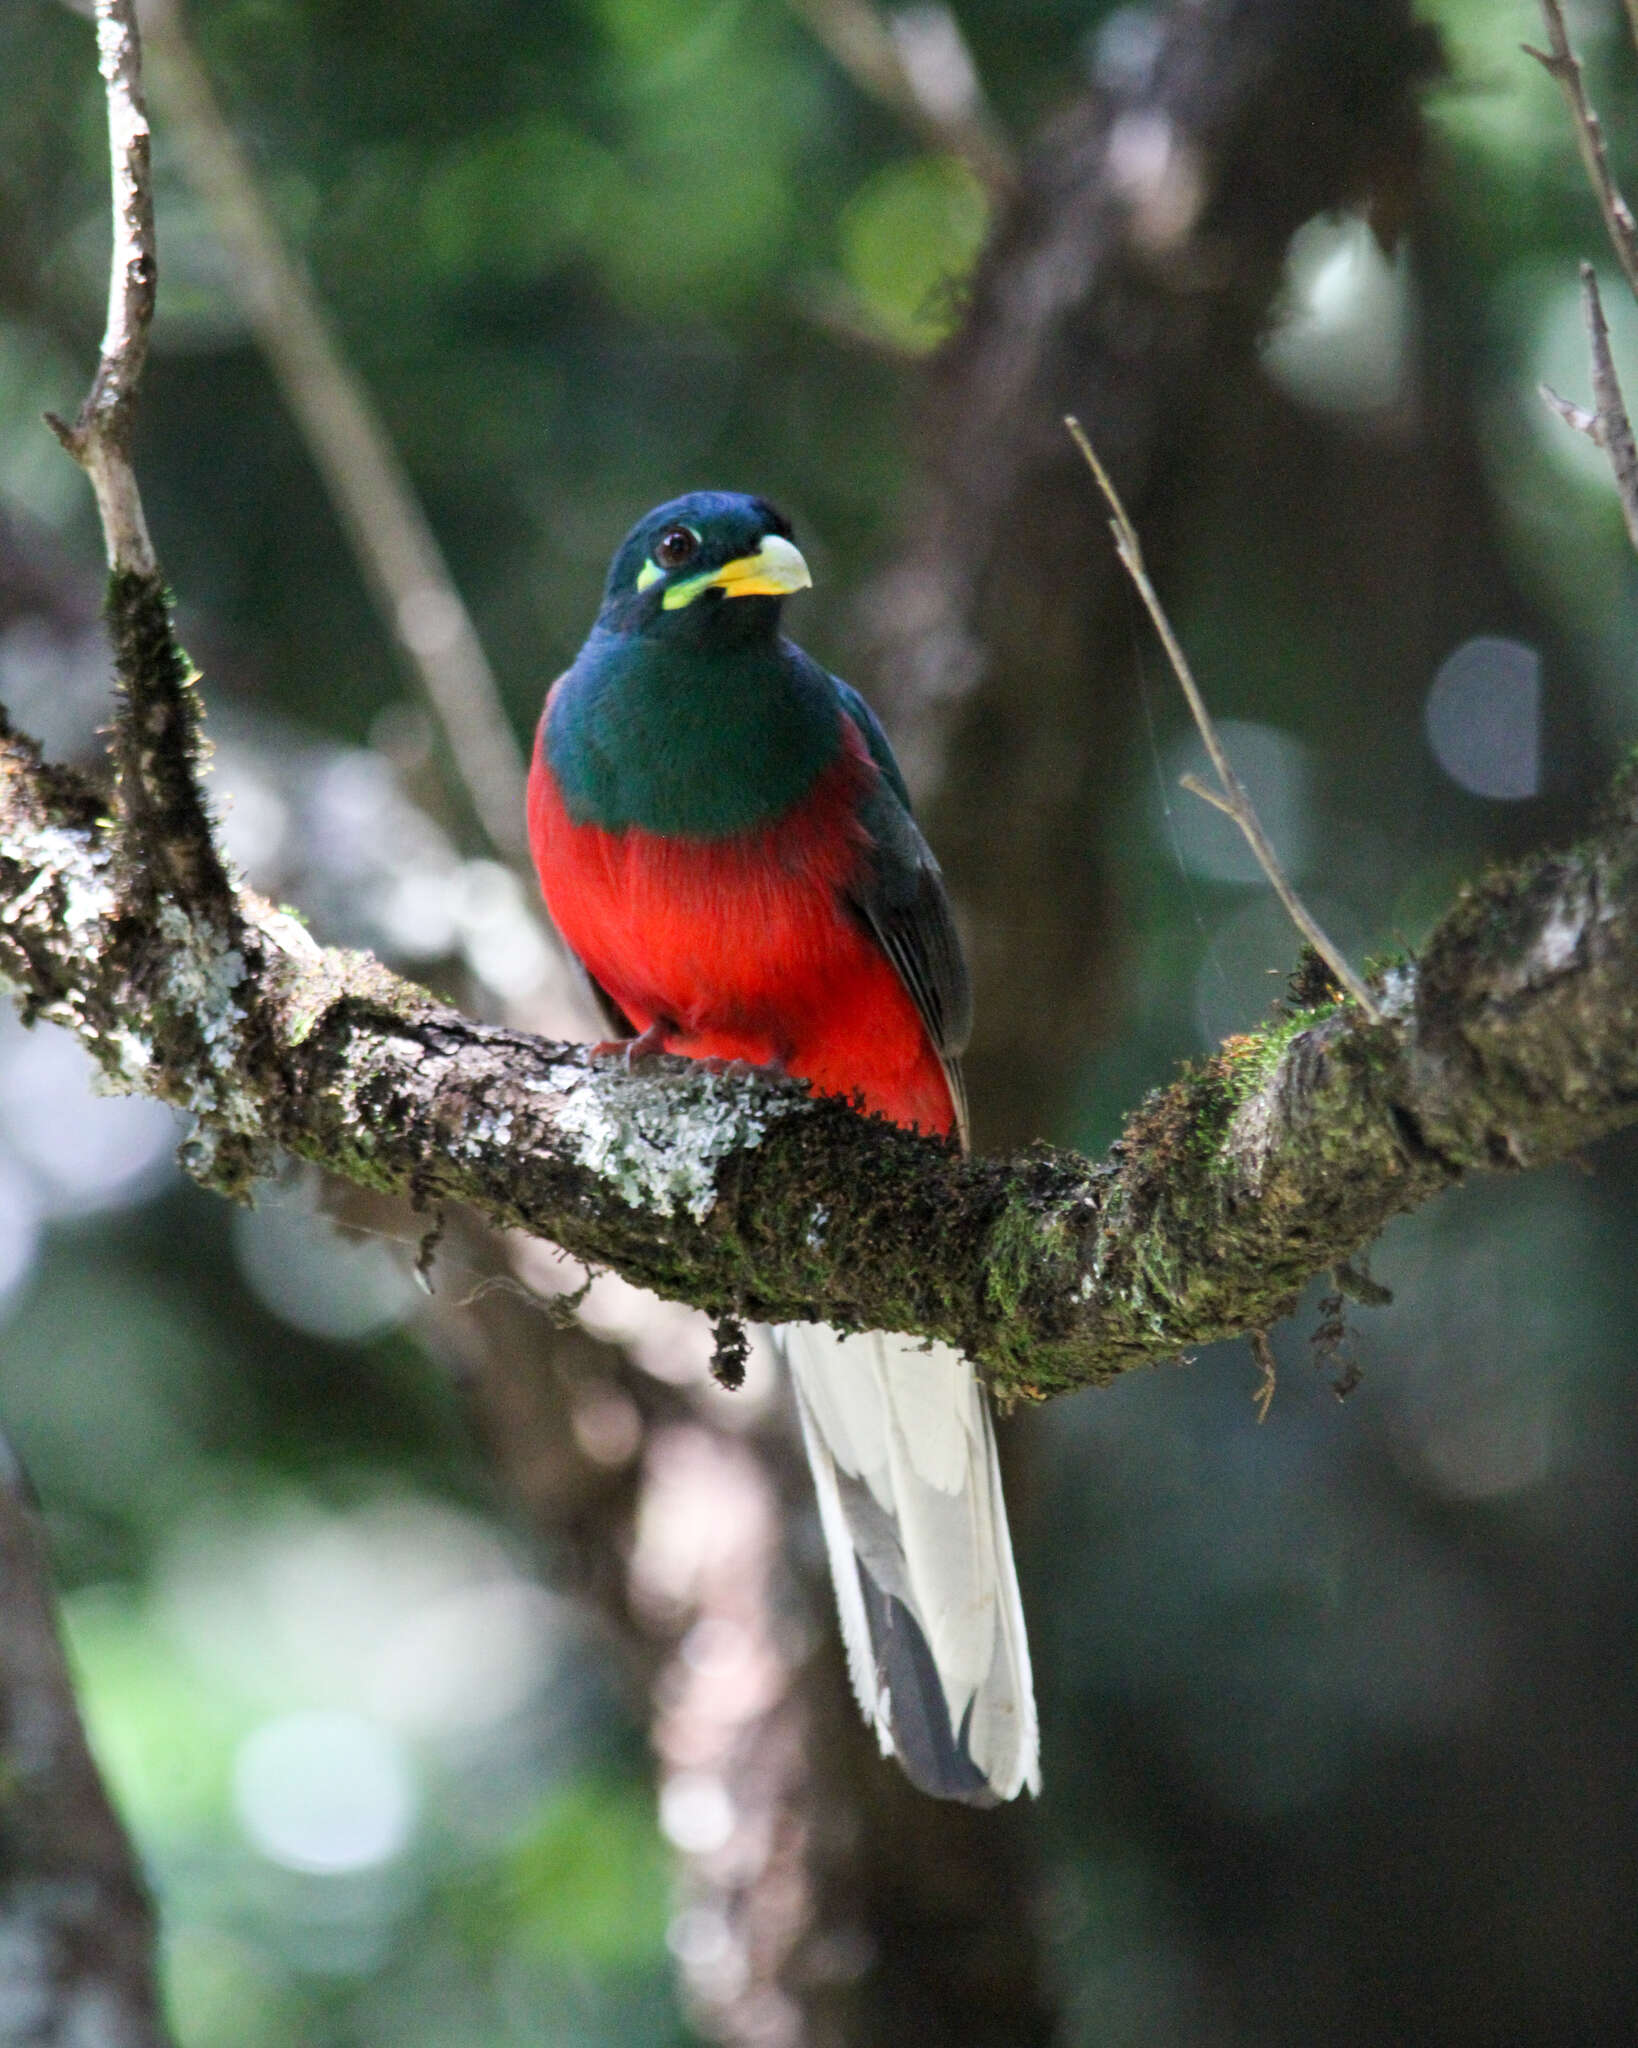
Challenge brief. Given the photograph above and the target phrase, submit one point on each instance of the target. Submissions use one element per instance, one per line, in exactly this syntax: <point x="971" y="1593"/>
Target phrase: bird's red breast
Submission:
<point x="747" y="946"/>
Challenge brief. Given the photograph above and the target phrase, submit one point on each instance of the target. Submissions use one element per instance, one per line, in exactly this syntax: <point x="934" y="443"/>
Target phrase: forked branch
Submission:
<point x="1560" y="62"/>
<point x="1231" y="796"/>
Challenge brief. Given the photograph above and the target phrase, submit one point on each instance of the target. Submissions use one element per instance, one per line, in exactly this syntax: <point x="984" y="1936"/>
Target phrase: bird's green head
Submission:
<point x="706" y="569"/>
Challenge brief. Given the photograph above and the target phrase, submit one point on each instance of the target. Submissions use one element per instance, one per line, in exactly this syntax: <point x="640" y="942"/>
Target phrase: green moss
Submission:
<point x="1388" y="962"/>
<point x="1622" y="801"/>
<point x="1018" y="1241"/>
<point x="1184" y="1124"/>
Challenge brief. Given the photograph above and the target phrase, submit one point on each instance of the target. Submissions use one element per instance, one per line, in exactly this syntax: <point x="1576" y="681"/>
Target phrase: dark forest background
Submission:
<point x="368" y="1595"/>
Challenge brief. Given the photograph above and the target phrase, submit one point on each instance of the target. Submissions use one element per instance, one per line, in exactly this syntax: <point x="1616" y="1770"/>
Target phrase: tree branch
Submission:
<point x="1612" y="425"/>
<point x="1509" y="1043"/>
<point x="1560" y="62"/>
<point x="1608" y="424"/>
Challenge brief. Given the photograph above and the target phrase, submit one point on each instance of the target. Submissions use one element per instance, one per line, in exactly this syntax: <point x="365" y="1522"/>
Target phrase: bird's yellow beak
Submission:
<point x="775" y="570"/>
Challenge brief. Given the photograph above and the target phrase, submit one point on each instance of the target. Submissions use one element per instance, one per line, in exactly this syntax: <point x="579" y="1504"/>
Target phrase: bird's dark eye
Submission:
<point x="678" y="544"/>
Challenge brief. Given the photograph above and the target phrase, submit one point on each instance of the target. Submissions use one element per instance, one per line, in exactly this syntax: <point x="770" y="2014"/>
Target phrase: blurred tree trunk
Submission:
<point x="77" y="1927"/>
<point x="1129" y="286"/>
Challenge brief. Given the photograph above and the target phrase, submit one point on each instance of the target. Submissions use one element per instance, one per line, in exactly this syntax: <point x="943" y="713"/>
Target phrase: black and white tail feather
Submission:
<point x="898" y="1435"/>
<point x="898" y="1430"/>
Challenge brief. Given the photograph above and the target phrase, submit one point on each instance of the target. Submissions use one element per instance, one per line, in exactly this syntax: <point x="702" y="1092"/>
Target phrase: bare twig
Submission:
<point x="1561" y="62"/>
<point x="156" y="737"/>
<point x="1233" y="799"/>
<point x="916" y="62"/>
<point x="100" y="437"/>
<point x="402" y="562"/>
<point x="1612" y="425"/>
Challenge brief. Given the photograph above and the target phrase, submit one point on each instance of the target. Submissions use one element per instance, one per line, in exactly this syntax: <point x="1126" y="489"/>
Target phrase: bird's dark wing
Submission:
<point x="620" y="1025"/>
<point x="903" y="900"/>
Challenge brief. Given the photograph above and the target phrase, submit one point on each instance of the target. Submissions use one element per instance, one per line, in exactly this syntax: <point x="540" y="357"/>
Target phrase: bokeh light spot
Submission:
<point x="83" y="1151"/>
<point x="696" y="1813"/>
<point x="324" y="1792"/>
<point x="19" y="1229"/>
<point x="1344" y="345"/>
<point x="301" y="1268"/>
<point x="910" y="238"/>
<point x="1484" y="717"/>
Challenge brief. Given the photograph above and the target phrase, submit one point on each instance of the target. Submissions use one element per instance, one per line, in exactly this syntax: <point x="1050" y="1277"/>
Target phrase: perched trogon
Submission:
<point x="725" y="841"/>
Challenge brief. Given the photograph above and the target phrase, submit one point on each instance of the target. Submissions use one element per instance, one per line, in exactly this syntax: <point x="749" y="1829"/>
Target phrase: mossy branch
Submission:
<point x="1511" y="1042"/>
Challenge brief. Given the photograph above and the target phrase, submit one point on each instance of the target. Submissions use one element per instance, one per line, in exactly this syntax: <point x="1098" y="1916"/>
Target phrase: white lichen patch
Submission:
<point x="1396" y="994"/>
<point x="124" y="1058"/>
<point x="1557" y="948"/>
<point x="202" y="977"/>
<point x="659" y="1138"/>
<point x="1559" y="942"/>
<point x="67" y="861"/>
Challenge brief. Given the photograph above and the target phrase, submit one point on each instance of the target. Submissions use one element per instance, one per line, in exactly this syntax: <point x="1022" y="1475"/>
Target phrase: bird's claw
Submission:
<point x="643" y="1047"/>
<point x="749" y="1070"/>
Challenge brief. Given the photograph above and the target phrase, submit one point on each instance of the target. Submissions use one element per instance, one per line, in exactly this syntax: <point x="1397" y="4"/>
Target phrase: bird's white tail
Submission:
<point x="903" y="1455"/>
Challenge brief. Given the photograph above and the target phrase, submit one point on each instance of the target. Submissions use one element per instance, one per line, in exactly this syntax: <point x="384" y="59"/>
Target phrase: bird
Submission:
<point x="726" y="844"/>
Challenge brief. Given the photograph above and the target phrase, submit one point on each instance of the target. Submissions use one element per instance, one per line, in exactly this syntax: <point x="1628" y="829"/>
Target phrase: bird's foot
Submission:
<point x="763" y="1070"/>
<point x="644" y="1046"/>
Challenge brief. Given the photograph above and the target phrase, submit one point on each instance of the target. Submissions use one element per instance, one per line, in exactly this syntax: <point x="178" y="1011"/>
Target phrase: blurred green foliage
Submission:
<point x="1336" y="1710"/>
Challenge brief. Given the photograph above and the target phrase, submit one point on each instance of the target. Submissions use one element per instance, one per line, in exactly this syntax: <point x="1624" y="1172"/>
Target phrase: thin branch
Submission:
<point x="374" y="497"/>
<point x="1561" y="63"/>
<point x="100" y="437"/>
<point x="916" y="62"/>
<point x="1613" y="430"/>
<point x="1234" y="799"/>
